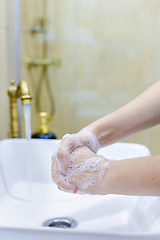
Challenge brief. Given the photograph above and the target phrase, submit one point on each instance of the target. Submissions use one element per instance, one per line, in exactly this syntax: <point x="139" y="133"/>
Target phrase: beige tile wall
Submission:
<point x="110" y="54"/>
<point x="4" y="82"/>
<point x="3" y="14"/>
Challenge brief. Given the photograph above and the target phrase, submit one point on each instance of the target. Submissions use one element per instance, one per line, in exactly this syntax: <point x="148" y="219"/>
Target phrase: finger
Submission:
<point x="58" y="179"/>
<point x="67" y="187"/>
<point x="68" y="145"/>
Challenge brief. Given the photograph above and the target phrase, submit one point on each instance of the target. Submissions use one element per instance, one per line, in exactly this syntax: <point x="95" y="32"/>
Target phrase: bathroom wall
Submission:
<point x="4" y="81"/>
<point x="110" y="54"/>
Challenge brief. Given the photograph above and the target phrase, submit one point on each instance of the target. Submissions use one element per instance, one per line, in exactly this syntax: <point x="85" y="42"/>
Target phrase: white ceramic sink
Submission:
<point x="28" y="198"/>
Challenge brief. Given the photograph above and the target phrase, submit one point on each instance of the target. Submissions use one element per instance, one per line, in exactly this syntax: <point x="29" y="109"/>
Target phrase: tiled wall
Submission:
<point x="110" y="54"/>
<point x="4" y="82"/>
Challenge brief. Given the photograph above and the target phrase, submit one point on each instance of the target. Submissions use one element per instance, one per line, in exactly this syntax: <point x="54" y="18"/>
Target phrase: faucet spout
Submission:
<point x="20" y="91"/>
<point x="23" y="92"/>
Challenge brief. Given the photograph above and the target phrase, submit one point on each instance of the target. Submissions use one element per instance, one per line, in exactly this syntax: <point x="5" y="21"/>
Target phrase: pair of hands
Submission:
<point x="75" y="165"/>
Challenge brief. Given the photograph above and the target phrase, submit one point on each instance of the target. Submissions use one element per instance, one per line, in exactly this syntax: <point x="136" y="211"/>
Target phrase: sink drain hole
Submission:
<point x="64" y="222"/>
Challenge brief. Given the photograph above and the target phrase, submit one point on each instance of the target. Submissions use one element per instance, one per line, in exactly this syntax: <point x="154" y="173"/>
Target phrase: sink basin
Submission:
<point x="28" y="198"/>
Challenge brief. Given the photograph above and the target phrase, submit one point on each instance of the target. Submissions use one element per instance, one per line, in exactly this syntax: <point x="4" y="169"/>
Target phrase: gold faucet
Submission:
<point x="22" y="92"/>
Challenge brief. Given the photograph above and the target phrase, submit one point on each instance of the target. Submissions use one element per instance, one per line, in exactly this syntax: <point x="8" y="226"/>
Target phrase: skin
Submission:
<point x="78" y="176"/>
<point x="140" y="176"/>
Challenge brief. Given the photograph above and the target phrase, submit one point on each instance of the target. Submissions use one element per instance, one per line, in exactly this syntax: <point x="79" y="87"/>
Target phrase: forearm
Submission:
<point x="93" y="174"/>
<point x="140" y="176"/>
<point x="141" y="113"/>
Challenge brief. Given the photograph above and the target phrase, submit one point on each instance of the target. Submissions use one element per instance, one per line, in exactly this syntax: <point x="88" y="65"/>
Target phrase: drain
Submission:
<point x="62" y="222"/>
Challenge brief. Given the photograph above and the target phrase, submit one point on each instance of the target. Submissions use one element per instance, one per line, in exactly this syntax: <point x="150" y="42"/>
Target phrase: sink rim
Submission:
<point x="89" y="232"/>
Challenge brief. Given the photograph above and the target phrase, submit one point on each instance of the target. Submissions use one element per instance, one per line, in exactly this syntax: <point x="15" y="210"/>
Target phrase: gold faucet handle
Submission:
<point x="12" y="89"/>
<point x="12" y="82"/>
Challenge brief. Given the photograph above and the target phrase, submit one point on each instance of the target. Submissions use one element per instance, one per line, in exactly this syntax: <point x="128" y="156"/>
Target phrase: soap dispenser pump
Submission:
<point x="43" y="130"/>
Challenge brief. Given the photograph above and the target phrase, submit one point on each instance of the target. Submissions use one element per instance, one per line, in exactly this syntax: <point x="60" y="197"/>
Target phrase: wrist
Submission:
<point x="102" y="133"/>
<point x="90" y="139"/>
<point x="107" y="184"/>
<point x="107" y="130"/>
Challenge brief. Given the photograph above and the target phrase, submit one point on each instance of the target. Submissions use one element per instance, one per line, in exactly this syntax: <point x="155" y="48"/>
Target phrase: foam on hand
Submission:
<point x="78" y="151"/>
<point x="85" y="172"/>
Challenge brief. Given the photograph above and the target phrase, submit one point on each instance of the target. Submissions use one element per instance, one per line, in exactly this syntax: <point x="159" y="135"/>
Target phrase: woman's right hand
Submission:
<point x="84" y="175"/>
<point x="71" y="142"/>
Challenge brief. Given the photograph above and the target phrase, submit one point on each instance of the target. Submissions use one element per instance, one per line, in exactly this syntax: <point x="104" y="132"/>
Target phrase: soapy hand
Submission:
<point x="57" y="178"/>
<point x="84" y="174"/>
<point x="70" y="142"/>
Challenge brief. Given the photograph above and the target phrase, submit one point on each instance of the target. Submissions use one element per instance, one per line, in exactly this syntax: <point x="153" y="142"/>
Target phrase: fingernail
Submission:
<point x="66" y="191"/>
<point x="62" y="189"/>
<point x="71" y="191"/>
